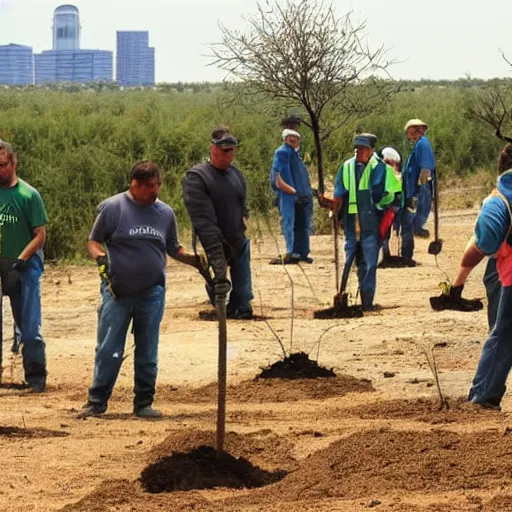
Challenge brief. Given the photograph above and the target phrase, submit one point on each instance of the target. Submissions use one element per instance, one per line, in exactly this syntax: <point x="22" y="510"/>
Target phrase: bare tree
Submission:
<point x="300" y="53"/>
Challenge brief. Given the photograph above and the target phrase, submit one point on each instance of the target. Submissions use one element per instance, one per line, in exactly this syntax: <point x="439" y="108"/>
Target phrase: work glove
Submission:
<point x="325" y="202"/>
<point x="221" y="287"/>
<point x="451" y="298"/>
<point x="424" y="176"/>
<point x="13" y="280"/>
<point x="202" y="262"/>
<point x="307" y="158"/>
<point x="103" y="267"/>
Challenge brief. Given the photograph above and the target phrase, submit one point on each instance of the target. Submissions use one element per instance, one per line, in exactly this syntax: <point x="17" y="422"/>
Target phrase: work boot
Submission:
<point x="409" y="262"/>
<point x="306" y="259"/>
<point x="289" y="259"/>
<point x="239" y="314"/>
<point x="39" y="387"/>
<point x="89" y="410"/>
<point x="147" y="412"/>
<point x="422" y="233"/>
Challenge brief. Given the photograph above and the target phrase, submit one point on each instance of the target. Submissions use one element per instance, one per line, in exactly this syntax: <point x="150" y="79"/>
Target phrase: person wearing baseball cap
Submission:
<point x="360" y="195"/>
<point x="419" y="170"/>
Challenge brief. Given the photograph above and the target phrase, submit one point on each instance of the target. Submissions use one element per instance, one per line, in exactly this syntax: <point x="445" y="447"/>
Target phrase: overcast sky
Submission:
<point x="432" y="38"/>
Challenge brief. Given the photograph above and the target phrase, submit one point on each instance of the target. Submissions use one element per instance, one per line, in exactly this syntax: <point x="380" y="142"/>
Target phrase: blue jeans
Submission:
<point x="241" y="280"/>
<point x="407" y="219"/>
<point x="424" y="206"/>
<point x="493" y="290"/>
<point x="26" y="310"/>
<point x="296" y="217"/>
<point x="114" y="316"/>
<point x="366" y="255"/>
<point x="496" y="358"/>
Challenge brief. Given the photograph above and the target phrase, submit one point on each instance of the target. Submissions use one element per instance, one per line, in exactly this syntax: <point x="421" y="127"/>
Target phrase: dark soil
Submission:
<point x="211" y="316"/>
<point x="204" y="468"/>
<point x="423" y="409"/>
<point x="333" y="312"/>
<point x="263" y="447"/>
<point x="30" y="432"/>
<point x="295" y="366"/>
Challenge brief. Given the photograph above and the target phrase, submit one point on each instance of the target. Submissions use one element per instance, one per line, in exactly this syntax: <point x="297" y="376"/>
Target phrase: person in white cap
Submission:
<point x="290" y="178"/>
<point x="419" y="170"/>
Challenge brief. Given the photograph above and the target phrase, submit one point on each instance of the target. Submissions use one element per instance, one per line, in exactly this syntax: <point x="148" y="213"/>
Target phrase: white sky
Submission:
<point x="432" y="38"/>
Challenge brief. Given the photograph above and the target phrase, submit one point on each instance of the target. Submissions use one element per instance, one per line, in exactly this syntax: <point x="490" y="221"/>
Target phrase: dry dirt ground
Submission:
<point x="370" y="439"/>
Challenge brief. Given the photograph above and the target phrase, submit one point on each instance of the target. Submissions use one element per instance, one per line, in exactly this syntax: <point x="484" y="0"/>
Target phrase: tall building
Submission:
<point x="66" y="28"/>
<point x="73" y="66"/>
<point x="67" y="62"/>
<point x="135" y="62"/>
<point x="16" y="65"/>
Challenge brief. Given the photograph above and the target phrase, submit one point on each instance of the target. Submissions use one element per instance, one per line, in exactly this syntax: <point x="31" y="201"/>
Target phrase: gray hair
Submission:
<point x="6" y="146"/>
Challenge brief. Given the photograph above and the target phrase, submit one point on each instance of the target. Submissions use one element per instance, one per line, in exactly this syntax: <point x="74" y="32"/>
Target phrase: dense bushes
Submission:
<point x="77" y="147"/>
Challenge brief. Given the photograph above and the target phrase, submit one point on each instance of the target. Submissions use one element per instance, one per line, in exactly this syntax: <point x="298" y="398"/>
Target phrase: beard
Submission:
<point x="5" y="180"/>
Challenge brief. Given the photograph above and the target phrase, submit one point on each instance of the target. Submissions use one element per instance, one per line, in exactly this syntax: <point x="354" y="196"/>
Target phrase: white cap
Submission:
<point x="391" y="154"/>
<point x="287" y="133"/>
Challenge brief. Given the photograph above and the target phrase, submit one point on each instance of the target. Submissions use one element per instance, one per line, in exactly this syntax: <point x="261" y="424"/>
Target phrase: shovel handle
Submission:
<point x="220" y="306"/>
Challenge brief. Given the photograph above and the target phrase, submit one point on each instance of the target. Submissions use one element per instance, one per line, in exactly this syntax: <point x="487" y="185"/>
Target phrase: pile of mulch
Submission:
<point x="264" y="447"/>
<point x="205" y="468"/>
<point x="423" y="409"/>
<point x="295" y="366"/>
<point x="31" y="433"/>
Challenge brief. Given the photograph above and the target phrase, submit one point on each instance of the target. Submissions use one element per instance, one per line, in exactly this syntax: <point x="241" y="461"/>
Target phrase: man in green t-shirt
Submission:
<point x="23" y="222"/>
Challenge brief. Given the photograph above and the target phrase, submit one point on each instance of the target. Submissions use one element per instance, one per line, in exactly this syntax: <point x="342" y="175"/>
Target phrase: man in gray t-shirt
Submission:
<point x="132" y="234"/>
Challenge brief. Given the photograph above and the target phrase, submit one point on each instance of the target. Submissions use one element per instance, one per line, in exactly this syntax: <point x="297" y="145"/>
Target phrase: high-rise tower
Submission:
<point x="66" y="28"/>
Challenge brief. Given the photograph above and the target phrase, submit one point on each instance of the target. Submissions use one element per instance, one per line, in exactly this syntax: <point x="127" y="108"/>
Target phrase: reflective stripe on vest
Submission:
<point x="349" y="180"/>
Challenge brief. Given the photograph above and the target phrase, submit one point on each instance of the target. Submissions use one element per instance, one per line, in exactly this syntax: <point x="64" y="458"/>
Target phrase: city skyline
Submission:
<point x="435" y="40"/>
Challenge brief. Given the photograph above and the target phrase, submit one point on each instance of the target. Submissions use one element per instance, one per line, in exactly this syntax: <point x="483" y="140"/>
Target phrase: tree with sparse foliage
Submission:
<point x="302" y="54"/>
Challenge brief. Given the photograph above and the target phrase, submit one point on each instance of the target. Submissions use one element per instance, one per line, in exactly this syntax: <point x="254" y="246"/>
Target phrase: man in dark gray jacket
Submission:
<point x="215" y="198"/>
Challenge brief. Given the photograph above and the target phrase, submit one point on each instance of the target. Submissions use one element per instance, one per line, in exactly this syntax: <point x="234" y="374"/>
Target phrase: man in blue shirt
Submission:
<point x="290" y="177"/>
<point x="419" y="171"/>
<point x="360" y="186"/>
<point x="132" y="234"/>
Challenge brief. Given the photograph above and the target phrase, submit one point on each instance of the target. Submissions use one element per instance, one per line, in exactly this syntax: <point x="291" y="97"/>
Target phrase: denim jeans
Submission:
<point x="114" y="317"/>
<point x="26" y="310"/>
<point x="424" y="206"/>
<point x="493" y="290"/>
<point x="407" y="229"/>
<point x="366" y="255"/>
<point x="296" y="215"/>
<point x="241" y="281"/>
<point x="496" y="358"/>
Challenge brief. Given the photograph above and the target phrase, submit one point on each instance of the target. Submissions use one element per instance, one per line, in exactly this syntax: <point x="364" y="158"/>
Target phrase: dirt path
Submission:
<point x="347" y="443"/>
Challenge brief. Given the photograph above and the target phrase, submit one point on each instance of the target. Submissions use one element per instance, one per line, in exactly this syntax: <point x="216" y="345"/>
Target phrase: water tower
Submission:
<point x="66" y="28"/>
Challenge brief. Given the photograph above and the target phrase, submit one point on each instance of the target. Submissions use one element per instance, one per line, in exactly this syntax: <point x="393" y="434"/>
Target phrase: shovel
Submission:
<point x="436" y="246"/>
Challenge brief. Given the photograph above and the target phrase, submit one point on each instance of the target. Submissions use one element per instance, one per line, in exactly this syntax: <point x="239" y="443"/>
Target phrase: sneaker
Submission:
<point x="147" y="412"/>
<point x="89" y="410"/>
<point x="422" y="233"/>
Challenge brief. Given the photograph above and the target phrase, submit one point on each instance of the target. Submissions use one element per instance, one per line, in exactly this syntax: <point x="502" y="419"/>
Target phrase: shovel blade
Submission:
<point x="435" y="247"/>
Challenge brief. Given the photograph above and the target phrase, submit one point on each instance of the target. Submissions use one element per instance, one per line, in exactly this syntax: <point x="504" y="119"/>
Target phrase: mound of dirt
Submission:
<point x="211" y="316"/>
<point x="30" y="432"/>
<point x="374" y="463"/>
<point x="264" y="448"/>
<point x="277" y="390"/>
<point x="423" y="409"/>
<point x="355" y="311"/>
<point x="204" y="468"/>
<point x="396" y="262"/>
<point x="295" y="366"/>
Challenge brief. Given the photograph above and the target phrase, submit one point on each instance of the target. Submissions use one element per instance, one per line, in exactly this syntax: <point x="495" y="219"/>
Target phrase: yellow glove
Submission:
<point x="445" y="288"/>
